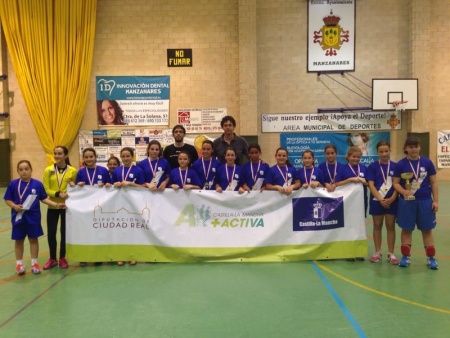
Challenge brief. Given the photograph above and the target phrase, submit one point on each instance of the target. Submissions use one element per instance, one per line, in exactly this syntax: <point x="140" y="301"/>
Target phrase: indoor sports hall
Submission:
<point x="293" y="74"/>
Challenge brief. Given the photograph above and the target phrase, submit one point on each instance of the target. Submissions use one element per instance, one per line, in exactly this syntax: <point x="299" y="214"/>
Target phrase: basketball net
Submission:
<point x="399" y="105"/>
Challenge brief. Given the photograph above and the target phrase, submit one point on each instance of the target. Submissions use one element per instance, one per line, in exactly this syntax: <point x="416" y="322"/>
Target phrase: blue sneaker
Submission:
<point x="404" y="262"/>
<point x="432" y="263"/>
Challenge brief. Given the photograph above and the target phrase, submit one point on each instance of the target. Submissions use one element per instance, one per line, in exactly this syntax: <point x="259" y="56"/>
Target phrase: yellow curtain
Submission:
<point x="51" y="44"/>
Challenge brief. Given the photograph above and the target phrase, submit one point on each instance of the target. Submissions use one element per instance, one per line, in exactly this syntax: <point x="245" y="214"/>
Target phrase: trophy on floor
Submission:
<point x="407" y="177"/>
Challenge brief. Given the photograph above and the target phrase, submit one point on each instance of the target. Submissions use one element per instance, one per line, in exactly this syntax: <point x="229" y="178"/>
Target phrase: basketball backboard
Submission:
<point x="387" y="91"/>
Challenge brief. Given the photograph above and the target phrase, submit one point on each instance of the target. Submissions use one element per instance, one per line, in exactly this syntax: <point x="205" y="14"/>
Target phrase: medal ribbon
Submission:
<point x="232" y="175"/>
<point x="357" y="175"/>
<point x="57" y="176"/>
<point x="387" y="172"/>
<point x="91" y="181"/>
<point x="306" y="178"/>
<point x="415" y="172"/>
<point x="183" y="181"/>
<point x="153" y="169"/>
<point x="24" y="190"/>
<point x="282" y="175"/>
<point x="124" y="177"/>
<point x="204" y="168"/>
<point x="329" y="174"/>
<point x="255" y="176"/>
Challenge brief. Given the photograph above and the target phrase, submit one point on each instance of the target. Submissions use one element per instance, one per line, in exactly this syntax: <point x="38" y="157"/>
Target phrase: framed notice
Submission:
<point x="331" y="35"/>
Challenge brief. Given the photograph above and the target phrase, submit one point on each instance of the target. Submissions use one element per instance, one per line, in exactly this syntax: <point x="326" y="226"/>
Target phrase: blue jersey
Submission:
<point x="284" y="176"/>
<point x="255" y="173"/>
<point x="310" y="175"/>
<point x="130" y="174"/>
<point x="19" y="191"/>
<point x="422" y="169"/>
<point x="91" y="176"/>
<point x="158" y="169"/>
<point x="381" y="176"/>
<point x="329" y="171"/>
<point x="229" y="177"/>
<point x="183" y="177"/>
<point x="206" y="170"/>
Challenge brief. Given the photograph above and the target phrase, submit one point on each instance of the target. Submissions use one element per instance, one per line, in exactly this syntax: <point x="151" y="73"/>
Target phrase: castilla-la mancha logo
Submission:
<point x="331" y="36"/>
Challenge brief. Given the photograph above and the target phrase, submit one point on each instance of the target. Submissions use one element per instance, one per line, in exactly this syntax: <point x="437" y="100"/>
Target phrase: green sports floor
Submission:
<point x="303" y="299"/>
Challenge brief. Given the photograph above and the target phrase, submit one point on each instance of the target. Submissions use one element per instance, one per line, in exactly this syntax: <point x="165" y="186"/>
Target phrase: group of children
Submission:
<point x="393" y="197"/>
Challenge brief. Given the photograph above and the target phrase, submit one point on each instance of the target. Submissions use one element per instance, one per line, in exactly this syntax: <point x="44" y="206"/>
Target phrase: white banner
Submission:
<point x="318" y="122"/>
<point x="443" y="149"/>
<point x="136" y="224"/>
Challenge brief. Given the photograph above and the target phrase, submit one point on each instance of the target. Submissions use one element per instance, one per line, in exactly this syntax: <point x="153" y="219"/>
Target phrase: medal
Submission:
<point x="255" y="176"/>
<point x="206" y="172"/>
<point x="306" y="178"/>
<point x="183" y="180"/>
<point x="60" y="180"/>
<point x="206" y="186"/>
<point x="385" y="187"/>
<point x="91" y="180"/>
<point x="354" y="172"/>
<point x="329" y="174"/>
<point x="415" y="184"/>
<point x="24" y="190"/>
<point x="125" y="177"/>
<point x="230" y="179"/>
<point x="255" y="187"/>
<point x="285" y="178"/>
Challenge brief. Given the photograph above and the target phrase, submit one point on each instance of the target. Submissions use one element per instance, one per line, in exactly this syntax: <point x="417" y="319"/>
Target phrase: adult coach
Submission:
<point x="171" y="152"/>
<point x="230" y="139"/>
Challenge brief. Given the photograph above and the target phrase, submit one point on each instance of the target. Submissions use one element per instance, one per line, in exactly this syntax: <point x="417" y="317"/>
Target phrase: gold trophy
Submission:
<point x="407" y="177"/>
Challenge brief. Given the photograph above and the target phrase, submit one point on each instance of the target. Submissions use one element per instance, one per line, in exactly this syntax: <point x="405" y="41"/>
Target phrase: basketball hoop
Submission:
<point x="399" y="105"/>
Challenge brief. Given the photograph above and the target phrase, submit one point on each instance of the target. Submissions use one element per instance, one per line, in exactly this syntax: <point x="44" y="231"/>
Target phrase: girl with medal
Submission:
<point x="421" y="211"/>
<point x="206" y="166"/>
<point x="91" y="173"/>
<point x="127" y="175"/>
<point x="330" y="167"/>
<point x="229" y="175"/>
<point x="184" y="177"/>
<point x="354" y="173"/>
<point x="155" y="167"/>
<point x="22" y="196"/>
<point x="383" y="201"/>
<point x="309" y="175"/>
<point x="282" y="177"/>
<point x="113" y="163"/>
<point x="56" y="179"/>
<point x="255" y="170"/>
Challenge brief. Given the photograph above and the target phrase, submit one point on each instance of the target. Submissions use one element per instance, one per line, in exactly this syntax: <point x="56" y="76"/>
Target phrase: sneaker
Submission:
<point x="404" y="261"/>
<point x="121" y="263"/>
<point x="20" y="269"/>
<point x="50" y="264"/>
<point x="376" y="257"/>
<point x="132" y="262"/>
<point x="392" y="259"/>
<point x="63" y="263"/>
<point x="36" y="269"/>
<point x="432" y="263"/>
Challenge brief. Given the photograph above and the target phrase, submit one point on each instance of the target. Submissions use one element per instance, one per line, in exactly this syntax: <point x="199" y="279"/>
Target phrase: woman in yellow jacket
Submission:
<point x="56" y="180"/>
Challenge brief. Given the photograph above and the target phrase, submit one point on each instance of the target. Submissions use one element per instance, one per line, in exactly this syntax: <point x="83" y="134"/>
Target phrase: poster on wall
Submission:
<point x="133" y="100"/>
<point x="331" y="122"/>
<point x="108" y="143"/>
<point x="443" y="148"/>
<point x="331" y="35"/>
<point x="201" y="120"/>
<point x="296" y="144"/>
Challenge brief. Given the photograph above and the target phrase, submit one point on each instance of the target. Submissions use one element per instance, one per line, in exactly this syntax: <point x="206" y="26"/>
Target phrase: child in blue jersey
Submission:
<point x="113" y="164"/>
<point x="383" y="201"/>
<point x="128" y="174"/>
<point x="255" y="170"/>
<point x="184" y="177"/>
<point x="91" y="173"/>
<point x="354" y="173"/>
<point x="309" y="175"/>
<point x="229" y="175"/>
<point x="22" y="196"/>
<point x="418" y="202"/>
<point x="155" y="167"/>
<point x="206" y="166"/>
<point x="282" y="176"/>
<point x="330" y="167"/>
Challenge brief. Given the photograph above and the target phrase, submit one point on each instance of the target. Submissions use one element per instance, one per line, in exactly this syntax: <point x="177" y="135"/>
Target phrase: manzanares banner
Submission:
<point x="190" y="226"/>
